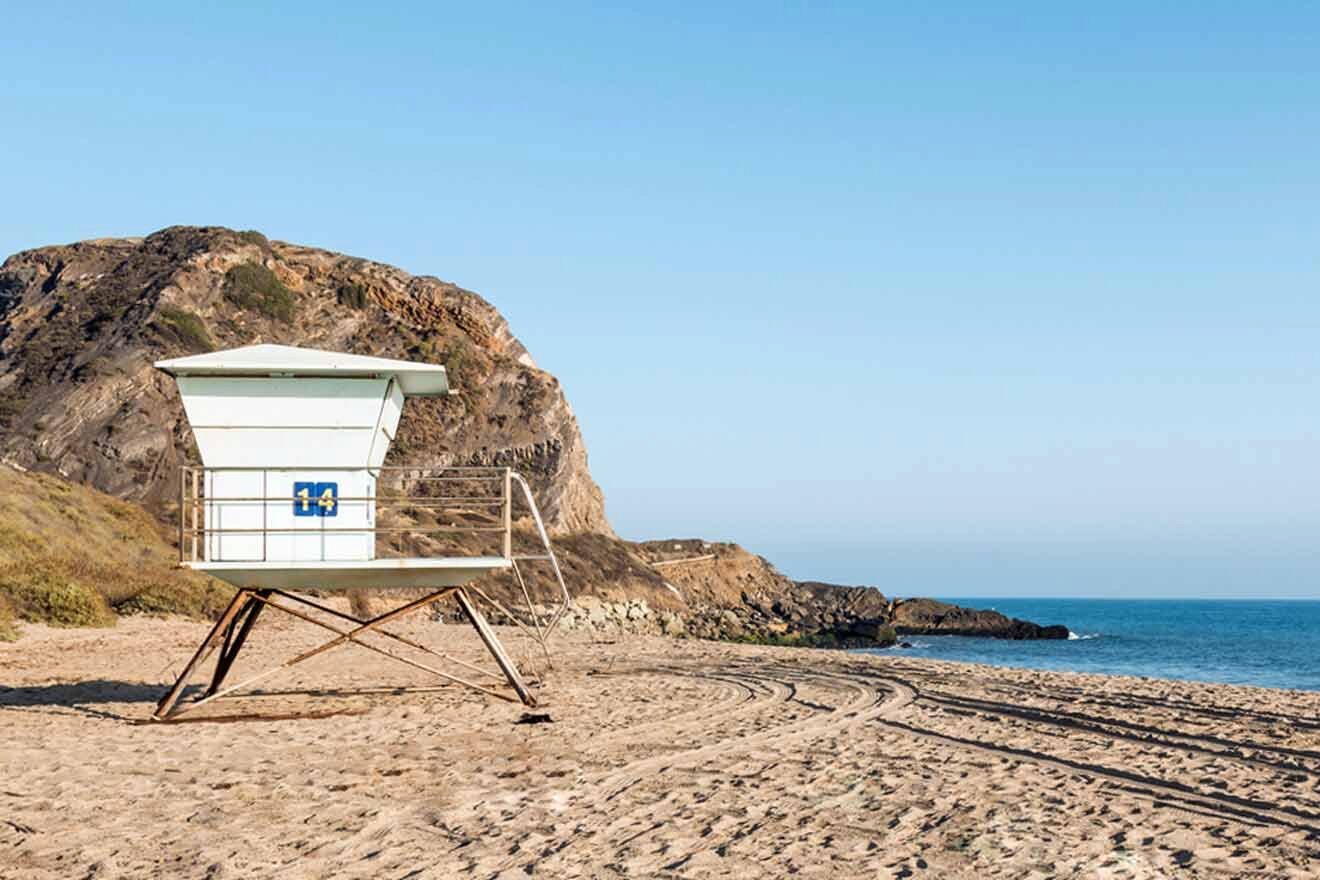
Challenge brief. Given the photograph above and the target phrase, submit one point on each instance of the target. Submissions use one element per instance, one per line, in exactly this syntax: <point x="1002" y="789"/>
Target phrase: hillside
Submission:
<point x="81" y="324"/>
<point x="73" y="556"/>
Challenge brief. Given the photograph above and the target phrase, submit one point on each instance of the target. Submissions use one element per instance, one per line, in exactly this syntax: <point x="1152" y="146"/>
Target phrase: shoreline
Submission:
<point x="1260" y="643"/>
<point x="910" y="653"/>
<point x="678" y="758"/>
<point x="1113" y="677"/>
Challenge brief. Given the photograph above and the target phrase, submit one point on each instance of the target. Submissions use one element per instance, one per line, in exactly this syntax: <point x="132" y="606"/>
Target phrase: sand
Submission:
<point x="665" y="758"/>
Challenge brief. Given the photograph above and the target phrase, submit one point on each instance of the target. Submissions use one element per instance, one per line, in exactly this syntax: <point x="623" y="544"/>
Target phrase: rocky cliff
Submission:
<point x="81" y="324"/>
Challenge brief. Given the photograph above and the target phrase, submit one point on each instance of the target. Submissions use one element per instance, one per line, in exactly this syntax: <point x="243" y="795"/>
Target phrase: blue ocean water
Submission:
<point x="1264" y="643"/>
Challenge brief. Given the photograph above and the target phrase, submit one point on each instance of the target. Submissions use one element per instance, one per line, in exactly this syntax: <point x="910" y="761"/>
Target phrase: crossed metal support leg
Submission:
<point x="235" y="635"/>
<point x="235" y="624"/>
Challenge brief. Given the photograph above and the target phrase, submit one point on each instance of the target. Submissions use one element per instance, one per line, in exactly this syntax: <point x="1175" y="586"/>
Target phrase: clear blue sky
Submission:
<point x="1002" y="301"/>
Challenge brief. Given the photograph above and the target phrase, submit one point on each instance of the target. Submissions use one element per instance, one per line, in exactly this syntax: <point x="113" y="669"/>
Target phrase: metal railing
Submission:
<point x="404" y="501"/>
<point x="408" y="512"/>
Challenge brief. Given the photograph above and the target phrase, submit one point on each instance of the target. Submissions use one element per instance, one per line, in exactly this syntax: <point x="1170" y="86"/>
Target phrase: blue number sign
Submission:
<point x="316" y="499"/>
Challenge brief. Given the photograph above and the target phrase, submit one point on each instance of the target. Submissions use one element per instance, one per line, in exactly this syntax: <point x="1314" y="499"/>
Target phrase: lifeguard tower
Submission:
<point x="293" y="494"/>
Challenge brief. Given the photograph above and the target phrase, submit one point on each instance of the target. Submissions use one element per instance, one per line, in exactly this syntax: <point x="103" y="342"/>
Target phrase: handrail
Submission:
<point x="566" y="600"/>
<point x="464" y="500"/>
<point x="490" y="513"/>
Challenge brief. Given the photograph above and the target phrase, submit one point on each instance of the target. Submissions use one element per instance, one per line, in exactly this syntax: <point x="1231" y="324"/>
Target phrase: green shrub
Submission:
<point x="253" y="286"/>
<point x="352" y="295"/>
<point x="885" y="637"/>
<point x="50" y="598"/>
<point x="462" y="363"/>
<point x="786" y="640"/>
<point x="205" y="600"/>
<point x="251" y="236"/>
<point x="185" y="328"/>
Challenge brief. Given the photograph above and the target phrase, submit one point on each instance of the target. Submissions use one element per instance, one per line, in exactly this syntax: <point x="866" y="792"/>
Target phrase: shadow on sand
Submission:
<point x="81" y="696"/>
<point x="91" y="698"/>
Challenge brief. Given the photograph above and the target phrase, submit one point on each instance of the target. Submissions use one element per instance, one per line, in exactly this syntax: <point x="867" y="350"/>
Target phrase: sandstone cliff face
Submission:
<point x="81" y="324"/>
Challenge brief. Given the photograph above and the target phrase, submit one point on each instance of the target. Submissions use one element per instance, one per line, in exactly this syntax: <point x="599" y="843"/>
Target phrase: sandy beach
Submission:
<point x="665" y="758"/>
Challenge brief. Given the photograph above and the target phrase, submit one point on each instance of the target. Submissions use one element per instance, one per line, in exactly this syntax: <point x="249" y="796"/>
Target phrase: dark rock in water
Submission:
<point x="904" y="644"/>
<point x="929" y="617"/>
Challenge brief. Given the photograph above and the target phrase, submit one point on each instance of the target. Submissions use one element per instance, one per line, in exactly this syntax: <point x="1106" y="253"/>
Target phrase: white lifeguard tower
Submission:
<point x="293" y="493"/>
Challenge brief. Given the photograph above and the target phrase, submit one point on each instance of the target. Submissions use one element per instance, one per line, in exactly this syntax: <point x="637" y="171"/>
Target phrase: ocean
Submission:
<point x="1264" y="643"/>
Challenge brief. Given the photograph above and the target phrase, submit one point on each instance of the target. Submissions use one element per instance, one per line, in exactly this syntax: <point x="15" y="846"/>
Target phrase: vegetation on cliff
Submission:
<point x="72" y="556"/>
<point x="253" y="286"/>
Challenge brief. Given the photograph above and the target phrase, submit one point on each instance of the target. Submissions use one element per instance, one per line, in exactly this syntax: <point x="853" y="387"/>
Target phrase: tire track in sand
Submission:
<point x="1165" y="793"/>
<point x="883" y="698"/>
<point x="740" y="698"/>
<point x="866" y="699"/>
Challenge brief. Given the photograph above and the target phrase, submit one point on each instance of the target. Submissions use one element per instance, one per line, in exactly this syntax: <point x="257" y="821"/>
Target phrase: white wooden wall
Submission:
<point x="284" y="431"/>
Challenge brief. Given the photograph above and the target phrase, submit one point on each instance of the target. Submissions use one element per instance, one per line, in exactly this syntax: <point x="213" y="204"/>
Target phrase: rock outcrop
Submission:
<point x="729" y="593"/>
<point x="81" y="324"/>
<point x="929" y="617"/>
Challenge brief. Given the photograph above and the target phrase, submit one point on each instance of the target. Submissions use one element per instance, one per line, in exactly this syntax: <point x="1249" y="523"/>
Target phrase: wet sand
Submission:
<point x="665" y="758"/>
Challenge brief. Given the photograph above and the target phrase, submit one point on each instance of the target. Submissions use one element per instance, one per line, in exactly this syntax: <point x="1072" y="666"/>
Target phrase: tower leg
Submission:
<point x="217" y="633"/>
<point x="232" y="629"/>
<point x="248" y="617"/>
<point x="493" y="645"/>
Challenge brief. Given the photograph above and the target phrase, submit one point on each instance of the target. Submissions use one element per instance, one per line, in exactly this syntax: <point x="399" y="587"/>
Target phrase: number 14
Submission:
<point x="326" y="495"/>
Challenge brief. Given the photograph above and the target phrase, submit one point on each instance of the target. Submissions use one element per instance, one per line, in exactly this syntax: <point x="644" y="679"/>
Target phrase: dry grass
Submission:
<point x="359" y="602"/>
<point x="8" y="626"/>
<point x="72" y="556"/>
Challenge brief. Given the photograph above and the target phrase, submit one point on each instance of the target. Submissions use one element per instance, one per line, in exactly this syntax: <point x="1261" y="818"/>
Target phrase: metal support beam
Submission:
<point x="493" y="645"/>
<point x="234" y="641"/>
<point x="292" y="597"/>
<point x="217" y="633"/>
<point x="238" y="619"/>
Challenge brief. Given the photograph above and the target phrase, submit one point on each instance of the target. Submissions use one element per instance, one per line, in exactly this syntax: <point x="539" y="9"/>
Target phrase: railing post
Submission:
<point x="183" y="515"/>
<point x="508" y="514"/>
<point x="196" y="515"/>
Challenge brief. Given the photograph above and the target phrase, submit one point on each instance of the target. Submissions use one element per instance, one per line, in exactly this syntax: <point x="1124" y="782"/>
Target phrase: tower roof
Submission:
<point x="415" y="380"/>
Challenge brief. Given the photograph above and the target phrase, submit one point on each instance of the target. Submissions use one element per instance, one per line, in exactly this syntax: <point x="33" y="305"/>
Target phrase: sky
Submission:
<point x="995" y="299"/>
